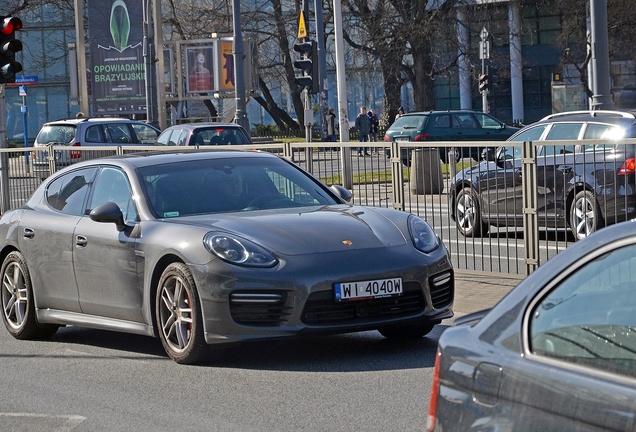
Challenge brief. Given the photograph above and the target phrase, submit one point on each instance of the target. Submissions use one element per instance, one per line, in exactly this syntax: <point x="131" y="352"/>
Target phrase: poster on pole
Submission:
<point x="200" y="69"/>
<point x="226" y="64"/>
<point x="168" y="71"/>
<point x="117" y="74"/>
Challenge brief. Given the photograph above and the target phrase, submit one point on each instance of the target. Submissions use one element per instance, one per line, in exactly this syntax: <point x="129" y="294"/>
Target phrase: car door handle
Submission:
<point x="28" y="233"/>
<point x="81" y="241"/>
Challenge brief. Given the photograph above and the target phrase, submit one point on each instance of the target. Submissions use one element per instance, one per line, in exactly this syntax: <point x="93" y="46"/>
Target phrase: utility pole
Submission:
<point x="239" y="72"/>
<point x="484" y="54"/>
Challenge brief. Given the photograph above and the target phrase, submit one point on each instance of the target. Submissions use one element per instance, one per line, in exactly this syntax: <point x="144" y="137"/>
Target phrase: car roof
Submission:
<point x="444" y="112"/>
<point x="148" y="158"/>
<point x="93" y="120"/>
<point x="604" y="116"/>
<point x="205" y="125"/>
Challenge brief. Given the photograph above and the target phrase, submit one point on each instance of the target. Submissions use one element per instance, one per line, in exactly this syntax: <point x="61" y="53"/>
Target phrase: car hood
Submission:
<point x="316" y="230"/>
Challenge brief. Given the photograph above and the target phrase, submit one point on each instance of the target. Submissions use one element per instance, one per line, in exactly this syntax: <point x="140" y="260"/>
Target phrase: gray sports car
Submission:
<point x="206" y="249"/>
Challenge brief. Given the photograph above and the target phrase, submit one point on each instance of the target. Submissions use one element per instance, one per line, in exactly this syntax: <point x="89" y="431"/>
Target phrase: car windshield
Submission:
<point x="56" y="134"/>
<point x="229" y="185"/>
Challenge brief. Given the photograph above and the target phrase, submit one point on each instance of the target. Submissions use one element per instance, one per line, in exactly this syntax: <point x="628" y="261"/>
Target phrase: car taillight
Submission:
<point x="76" y="154"/>
<point x="629" y="167"/>
<point x="386" y="138"/>
<point x="422" y="137"/>
<point x="431" y="419"/>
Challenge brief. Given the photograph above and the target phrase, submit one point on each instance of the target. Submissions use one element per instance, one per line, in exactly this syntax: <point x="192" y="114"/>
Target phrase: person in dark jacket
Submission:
<point x="363" y="124"/>
<point x="330" y="119"/>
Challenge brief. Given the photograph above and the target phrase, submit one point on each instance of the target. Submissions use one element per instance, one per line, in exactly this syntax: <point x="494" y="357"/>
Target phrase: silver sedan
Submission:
<point x="209" y="249"/>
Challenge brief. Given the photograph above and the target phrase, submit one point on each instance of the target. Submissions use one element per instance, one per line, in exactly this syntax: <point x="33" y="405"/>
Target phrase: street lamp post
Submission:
<point x="239" y="75"/>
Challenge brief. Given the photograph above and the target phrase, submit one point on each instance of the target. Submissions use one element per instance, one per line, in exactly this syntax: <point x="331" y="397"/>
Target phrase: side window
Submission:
<point x="601" y="131"/>
<point x="112" y="186"/>
<point x="531" y="134"/>
<point x="487" y="122"/>
<point x="442" y="121"/>
<point x="164" y="138"/>
<point x="68" y="193"/>
<point x="182" y="137"/>
<point x="119" y="133"/>
<point x="94" y="134"/>
<point x="464" y="121"/>
<point x="145" y="134"/>
<point x="589" y="318"/>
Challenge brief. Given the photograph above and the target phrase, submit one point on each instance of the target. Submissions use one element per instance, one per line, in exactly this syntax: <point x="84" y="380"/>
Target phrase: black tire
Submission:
<point x="18" y="305"/>
<point x="468" y="214"/>
<point x="179" y="318"/>
<point x="585" y="215"/>
<point x="409" y="332"/>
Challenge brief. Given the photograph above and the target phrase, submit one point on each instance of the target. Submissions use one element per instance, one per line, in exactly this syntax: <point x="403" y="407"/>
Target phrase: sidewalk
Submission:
<point x="474" y="292"/>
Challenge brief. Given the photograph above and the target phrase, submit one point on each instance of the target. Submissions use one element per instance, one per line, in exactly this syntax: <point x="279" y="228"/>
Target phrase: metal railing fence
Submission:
<point x="528" y="204"/>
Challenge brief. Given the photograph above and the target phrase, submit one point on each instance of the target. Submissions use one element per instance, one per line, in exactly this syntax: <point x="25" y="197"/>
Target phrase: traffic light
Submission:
<point x="9" y="45"/>
<point x="307" y="64"/>
<point x="483" y="83"/>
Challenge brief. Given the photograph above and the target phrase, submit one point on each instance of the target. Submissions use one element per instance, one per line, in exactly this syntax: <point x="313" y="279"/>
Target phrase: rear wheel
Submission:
<point x="179" y="318"/>
<point x="585" y="215"/>
<point x="468" y="214"/>
<point x="18" y="306"/>
<point x="408" y="332"/>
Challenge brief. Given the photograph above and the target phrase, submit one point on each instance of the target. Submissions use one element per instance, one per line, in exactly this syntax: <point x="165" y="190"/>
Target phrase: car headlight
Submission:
<point x="423" y="236"/>
<point x="237" y="250"/>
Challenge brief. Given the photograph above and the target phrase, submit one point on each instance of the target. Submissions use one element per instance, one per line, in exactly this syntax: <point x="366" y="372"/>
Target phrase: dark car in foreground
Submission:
<point x="204" y="249"/>
<point x="557" y="353"/>
<point x="582" y="184"/>
<point x="203" y="134"/>
<point x="459" y="125"/>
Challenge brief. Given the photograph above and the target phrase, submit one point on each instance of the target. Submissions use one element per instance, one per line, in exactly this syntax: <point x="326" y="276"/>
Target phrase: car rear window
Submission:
<point x="409" y="122"/>
<point x="50" y="134"/>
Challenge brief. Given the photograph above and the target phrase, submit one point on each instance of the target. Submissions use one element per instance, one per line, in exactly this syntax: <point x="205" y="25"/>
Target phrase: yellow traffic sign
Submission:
<point x="302" y="29"/>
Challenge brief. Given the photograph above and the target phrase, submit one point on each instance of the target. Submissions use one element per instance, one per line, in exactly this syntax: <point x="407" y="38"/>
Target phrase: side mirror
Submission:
<point x="488" y="154"/>
<point x="108" y="212"/>
<point x="342" y="192"/>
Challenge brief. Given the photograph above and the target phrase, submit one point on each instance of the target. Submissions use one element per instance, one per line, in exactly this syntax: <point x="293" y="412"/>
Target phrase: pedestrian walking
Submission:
<point x="373" y="128"/>
<point x="363" y="124"/>
<point x="330" y="120"/>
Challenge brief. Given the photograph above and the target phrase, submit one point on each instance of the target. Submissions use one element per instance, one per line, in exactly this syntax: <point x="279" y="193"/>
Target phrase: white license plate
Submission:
<point x="368" y="289"/>
<point x="402" y="138"/>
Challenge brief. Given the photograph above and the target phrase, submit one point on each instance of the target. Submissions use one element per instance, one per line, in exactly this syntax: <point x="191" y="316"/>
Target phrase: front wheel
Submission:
<point x="585" y="215"/>
<point x="409" y="332"/>
<point x="468" y="214"/>
<point x="179" y="319"/>
<point x="18" y="306"/>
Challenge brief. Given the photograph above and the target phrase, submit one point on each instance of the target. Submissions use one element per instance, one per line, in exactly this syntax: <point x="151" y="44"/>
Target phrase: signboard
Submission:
<point x="302" y="28"/>
<point x="22" y="80"/>
<point x="226" y="64"/>
<point x="116" y="73"/>
<point x="200" y="69"/>
<point x="22" y="90"/>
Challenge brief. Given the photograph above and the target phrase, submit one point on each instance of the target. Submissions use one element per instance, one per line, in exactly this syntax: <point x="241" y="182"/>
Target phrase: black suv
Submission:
<point x="460" y="125"/>
<point x="580" y="187"/>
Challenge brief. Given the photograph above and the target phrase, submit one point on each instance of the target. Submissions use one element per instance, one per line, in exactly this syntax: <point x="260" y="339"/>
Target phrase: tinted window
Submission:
<point x="590" y="317"/>
<point x="442" y="121"/>
<point x="112" y="186"/>
<point x="564" y="131"/>
<point x="68" y="193"/>
<point x="118" y="133"/>
<point x="465" y="121"/>
<point x="94" y="134"/>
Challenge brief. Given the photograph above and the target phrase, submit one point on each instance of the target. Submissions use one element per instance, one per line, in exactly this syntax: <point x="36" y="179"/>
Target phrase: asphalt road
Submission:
<point x="89" y="380"/>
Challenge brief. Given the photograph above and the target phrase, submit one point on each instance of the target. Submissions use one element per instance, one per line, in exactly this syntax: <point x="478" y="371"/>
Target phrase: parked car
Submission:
<point x="460" y="125"/>
<point x="205" y="248"/>
<point x="86" y="132"/>
<point x="557" y="353"/>
<point x="193" y="134"/>
<point x="580" y="187"/>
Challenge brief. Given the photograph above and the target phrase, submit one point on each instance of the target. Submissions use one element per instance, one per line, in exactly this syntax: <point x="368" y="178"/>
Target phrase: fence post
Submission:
<point x="530" y="219"/>
<point x="397" y="177"/>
